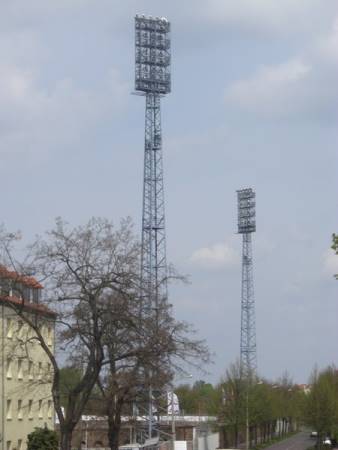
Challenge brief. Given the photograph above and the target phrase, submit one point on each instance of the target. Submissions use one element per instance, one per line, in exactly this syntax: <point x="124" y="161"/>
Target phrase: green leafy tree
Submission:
<point x="69" y="378"/>
<point x="186" y="399"/>
<point x="321" y="407"/>
<point x="200" y="399"/>
<point x="42" y="439"/>
<point x="207" y="398"/>
<point x="334" y="247"/>
<point x="232" y="411"/>
<point x="262" y="419"/>
<point x="261" y="402"/>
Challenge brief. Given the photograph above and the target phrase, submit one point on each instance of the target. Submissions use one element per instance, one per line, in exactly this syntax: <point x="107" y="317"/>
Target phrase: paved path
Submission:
<point x="300" y="441"/>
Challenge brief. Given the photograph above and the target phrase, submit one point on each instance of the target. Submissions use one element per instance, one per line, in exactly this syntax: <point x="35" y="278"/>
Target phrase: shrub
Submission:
<point x="42" y="439"/>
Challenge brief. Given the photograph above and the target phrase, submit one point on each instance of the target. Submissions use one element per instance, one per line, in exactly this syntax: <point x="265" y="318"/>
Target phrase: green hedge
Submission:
<point x="42" y="439"/>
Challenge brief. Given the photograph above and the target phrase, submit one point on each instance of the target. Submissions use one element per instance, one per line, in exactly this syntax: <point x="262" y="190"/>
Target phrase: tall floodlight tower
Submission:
<point x="152" y="79"/>
<point x="246" y="226"/>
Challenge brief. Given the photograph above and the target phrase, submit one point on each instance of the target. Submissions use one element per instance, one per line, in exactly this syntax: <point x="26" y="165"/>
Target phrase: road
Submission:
<point x="300" y="441"/>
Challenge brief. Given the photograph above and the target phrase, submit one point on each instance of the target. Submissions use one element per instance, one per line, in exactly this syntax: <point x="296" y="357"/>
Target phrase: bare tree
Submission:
<point x="79" y="267"/>
<point x="153" y="346"/>
<point x="91" y="279"/>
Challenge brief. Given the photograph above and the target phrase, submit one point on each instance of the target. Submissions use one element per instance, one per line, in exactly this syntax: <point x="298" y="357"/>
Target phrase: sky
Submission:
<point x="254" y="103"/>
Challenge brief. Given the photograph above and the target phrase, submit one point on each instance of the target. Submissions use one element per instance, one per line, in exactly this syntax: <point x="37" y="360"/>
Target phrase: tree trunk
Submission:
<point x="66" y="439"/>
<point x="114" y="410"/>
<point x="113" y="435"/>
<point x="236" y="436"/>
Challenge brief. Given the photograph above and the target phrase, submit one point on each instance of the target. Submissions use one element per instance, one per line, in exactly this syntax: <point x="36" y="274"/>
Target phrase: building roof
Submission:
<point x="38" y="308"/>
<point x="25" y="280"/>
<point x="16" y="300"/>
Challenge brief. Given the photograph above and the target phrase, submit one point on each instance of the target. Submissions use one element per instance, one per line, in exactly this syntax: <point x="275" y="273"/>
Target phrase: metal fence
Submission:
<point x="91" y="448"/>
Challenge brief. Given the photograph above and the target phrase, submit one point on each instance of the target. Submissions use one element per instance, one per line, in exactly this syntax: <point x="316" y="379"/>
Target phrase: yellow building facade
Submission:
<point x="25" y="369"/>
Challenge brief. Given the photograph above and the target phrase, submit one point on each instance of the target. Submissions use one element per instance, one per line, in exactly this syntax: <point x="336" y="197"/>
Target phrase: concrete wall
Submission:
<point x="208" y="442"/>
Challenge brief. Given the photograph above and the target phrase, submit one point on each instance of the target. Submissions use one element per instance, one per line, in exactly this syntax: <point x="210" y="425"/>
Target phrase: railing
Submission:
<point x="90" y="448"/>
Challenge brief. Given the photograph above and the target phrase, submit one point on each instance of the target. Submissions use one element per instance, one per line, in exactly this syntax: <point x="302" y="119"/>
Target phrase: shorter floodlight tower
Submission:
<point x="246" y="226"/>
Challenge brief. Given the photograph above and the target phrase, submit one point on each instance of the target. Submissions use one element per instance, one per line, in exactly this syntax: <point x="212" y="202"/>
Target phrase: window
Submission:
<point x="49" y="372"/>
<point x="49" y="337"/>
<point x="40" y="409"/>
<point x="20" y="371"/>
<point x="30" y="370"/>
<point x="50" y="411"/>
<point x="9" y="445"/>
<point x="31" y="334"/>
<point x="20" y="444"/>
<point x="42" y="332"/>
<point x="9" y="369"/>
<point x="30" y="409"/>
<point x="20" y="330"/>
<point x="36" y="295"/>
<point x="27" y="294"/>
<point x="40" y="371"/>
<point x="17" y="290"/>
<point x="9" y="410"/>
<point x="20" y="415"/>
<point x="9" y="328"/>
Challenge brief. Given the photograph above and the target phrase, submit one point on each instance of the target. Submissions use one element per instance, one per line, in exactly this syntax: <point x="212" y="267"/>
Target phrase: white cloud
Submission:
<point x="272" y="15"/>
<point x="270" y="89"/>
<point x="327" y="46"/>
<point x="216" y="256"/>
<point x="330" y="260"/>
<point x="258" y="17"/>
<point x="282" y="17"/>
<point x="303" y="86"/>
<point x="35" y="119"/>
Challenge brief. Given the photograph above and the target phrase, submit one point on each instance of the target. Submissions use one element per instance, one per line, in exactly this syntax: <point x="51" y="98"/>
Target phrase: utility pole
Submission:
<point x="248" y="352"/>
<point x="152" y="80"/>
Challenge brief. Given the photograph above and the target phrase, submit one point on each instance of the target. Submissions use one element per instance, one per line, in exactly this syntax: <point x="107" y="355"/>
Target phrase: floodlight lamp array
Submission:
<point x="246" y="211"/>
<point x="152" y="55"/>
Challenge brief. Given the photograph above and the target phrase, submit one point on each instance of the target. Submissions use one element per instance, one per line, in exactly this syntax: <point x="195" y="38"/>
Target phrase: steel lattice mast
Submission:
<point x="152" y="79"/>
<point x="246" y="226"/>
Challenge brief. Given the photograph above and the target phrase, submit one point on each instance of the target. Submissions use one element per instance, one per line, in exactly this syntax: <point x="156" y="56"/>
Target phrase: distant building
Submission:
<point x="25" y="369"/>
<point x="306" y="388"/>
<point x="91" y="432"/>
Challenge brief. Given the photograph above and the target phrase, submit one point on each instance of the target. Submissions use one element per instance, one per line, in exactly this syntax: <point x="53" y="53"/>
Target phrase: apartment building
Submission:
<point x="25" y="370"/>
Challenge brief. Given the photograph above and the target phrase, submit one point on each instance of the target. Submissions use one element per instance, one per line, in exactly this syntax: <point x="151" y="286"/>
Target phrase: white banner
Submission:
<point x="173" y="403"/>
